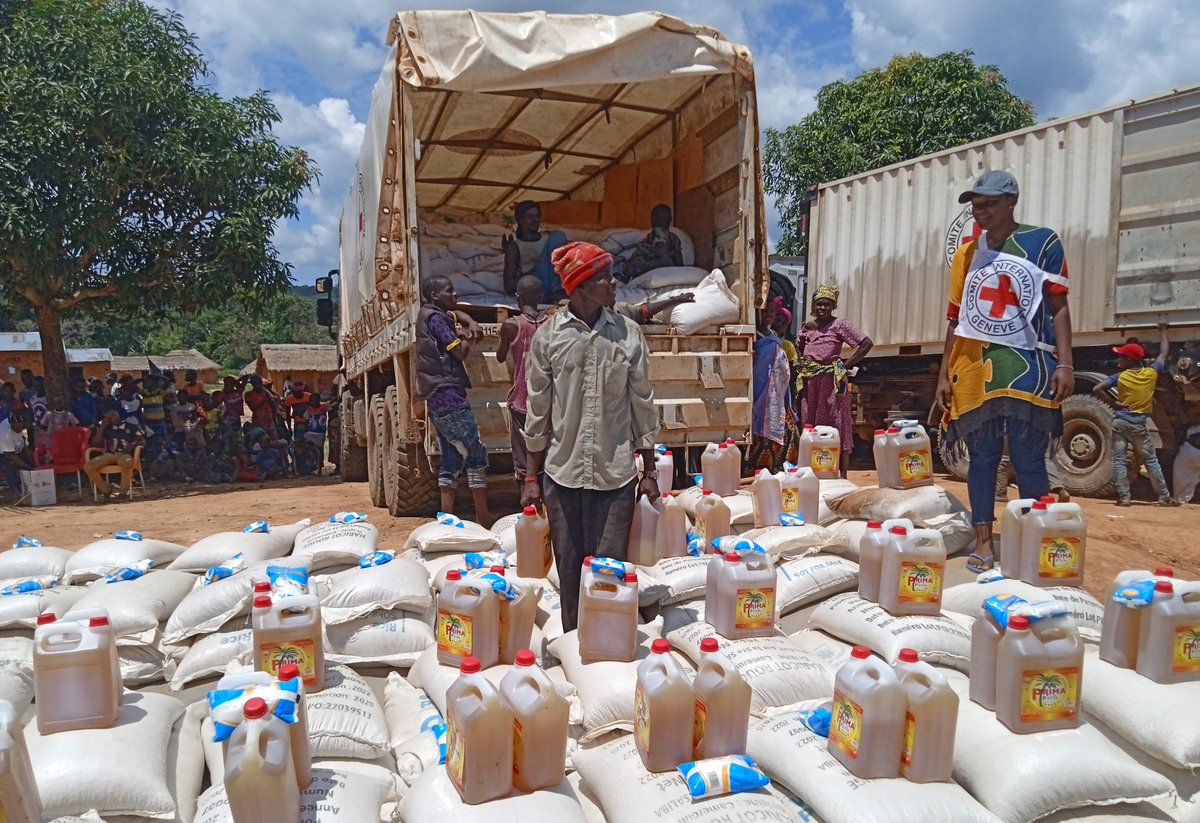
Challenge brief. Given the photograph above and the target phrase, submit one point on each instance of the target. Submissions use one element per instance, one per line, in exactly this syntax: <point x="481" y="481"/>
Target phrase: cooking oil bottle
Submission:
<point x="288" y="630"/>
<point x="1053" y="540"/>
<point x="608" y="611"/>
<point x="913" y="457"/>
<point x="744" y="604"/>
<point x="664" y="464"/>
<point x="1011" y="520"/>
<point x="986" y="631"/>
<point x="804" y="447"/>
<point x="468" y="621"/>
<point x="870" y="560"/>
<point x="19" y="798"/>
<point x="73" y="681"/>
<point x="534" y="550"/>
<point x="1039" y="672"/>
<point x="672" y="536"/>
<point x="826" y="460"/>
<point x="479" y="736"/>
<point x="884" y="474"/>
<point x="1169" y="634"/>
<point x="866" y="732"/>
<point x="768" y="498"/>
<point x="911" y="575"/>
<point x="298" y="731"/>
<point x="735" y="453"/>
<point x="712" y="518"/>
<point x="718" y="470"/>
<point x="517" y="616"/>
<point x="801" y="492"/>
<point x="643" y="533"/>
<point x="722" y="715"/>
<point x="1128" y="597"/>
<point x="664" y="711"/>
<point x="539" y="731"/>
<point x="260" y="777"/>
<point x="930" y="722"/>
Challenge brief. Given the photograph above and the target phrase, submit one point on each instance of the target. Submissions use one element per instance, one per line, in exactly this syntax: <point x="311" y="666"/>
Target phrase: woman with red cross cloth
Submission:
<point x="1007" y="363"/>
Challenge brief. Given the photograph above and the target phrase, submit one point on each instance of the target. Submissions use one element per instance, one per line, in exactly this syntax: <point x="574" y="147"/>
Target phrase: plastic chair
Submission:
<point x="107" y="470"/>
<point x="67" y="453"/>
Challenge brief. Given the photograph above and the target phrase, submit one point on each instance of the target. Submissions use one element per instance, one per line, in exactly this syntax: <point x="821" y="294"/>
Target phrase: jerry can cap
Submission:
<point x="880" y="431"/>
<point x="1040" y="505"/>
<point x="732" y="557"/>
<point x="897" y="530"/>
<point x="530" y="511"/>
<point x="45" y="618"/>
<point x="709" y="644"/>
<point x="908" y="656"/>
<point x="660" y="646"/>
<point x="1164" y="586"/>
<point x="1018" y="621"/>
<point x="874" y="524"/>
<point x="255" y="708"/>
<point x="470" y="665"/>
<point x="497" y="570"/>
<point x="97" y="622"/>
<point x="631" y="577"/>
<point x="1164" y="571"/>
<point x="263" y="601"/>
<point x="288" y="671"/>
<point x="262" y="587"/>
<point x="860" y="652"/>
<point x="454" y="574"/>
<point x="707" y="492"/>
<point x="666" y="453"/>
<point x="587" y="561"/>
<point x="524" y="658"/>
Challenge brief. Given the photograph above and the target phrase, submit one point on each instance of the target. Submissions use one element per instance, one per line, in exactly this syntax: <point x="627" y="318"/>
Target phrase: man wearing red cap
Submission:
<point x="589" y="409"/>
<point x="1135" y="385"/>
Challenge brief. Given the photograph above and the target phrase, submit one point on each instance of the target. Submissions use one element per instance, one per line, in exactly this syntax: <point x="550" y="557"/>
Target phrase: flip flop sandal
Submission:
<point x="977" y="564"/>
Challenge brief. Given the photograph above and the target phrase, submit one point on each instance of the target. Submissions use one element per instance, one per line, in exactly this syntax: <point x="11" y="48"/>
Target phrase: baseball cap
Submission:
<point x="991" y="183"/>
<point x="1132" y="351"/>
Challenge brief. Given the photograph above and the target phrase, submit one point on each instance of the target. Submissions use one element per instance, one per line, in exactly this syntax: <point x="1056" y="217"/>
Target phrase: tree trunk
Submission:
<point x="54" y="355"/>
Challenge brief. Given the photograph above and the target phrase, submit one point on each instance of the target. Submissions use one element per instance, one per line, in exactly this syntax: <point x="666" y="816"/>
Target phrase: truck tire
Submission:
<point x="418" y="494"/>
<point x="391" y="479"/>
<point x="1086" y="452"/>
<point x="353" y="456"/>
<point x="375" y="457"/>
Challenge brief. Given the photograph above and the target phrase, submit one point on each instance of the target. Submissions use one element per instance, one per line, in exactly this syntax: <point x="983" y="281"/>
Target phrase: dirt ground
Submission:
<point x="1140" y="537"/>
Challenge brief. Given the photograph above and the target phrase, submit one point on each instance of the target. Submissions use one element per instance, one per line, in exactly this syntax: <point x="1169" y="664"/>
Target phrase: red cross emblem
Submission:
<point x="1001" y="298"/>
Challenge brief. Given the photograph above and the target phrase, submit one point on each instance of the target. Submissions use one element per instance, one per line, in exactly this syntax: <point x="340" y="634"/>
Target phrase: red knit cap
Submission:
<point x="578" y="262"/>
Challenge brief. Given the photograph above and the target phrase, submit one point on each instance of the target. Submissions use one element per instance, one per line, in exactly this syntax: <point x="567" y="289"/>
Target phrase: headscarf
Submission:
<point x="576" y="263"/>
<point x="781" y="311"/>
<point x="827" y="293"/>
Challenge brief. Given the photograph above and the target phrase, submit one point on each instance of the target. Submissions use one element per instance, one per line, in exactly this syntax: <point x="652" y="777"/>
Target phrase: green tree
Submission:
<point x="127" y="187"/>
<point x="913" y="106"/>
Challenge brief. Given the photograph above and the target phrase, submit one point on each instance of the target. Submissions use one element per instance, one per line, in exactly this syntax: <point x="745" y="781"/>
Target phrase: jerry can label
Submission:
<point x="518" y="747"/>
<point x="826" y="460"/>
<point x="1187" y="650"/>
<point x="916" y="466"/>
<point x="1051" y="694"/>
<point x="456" y="755"/>
<point x="454" y="633"/>
<point x="273" y="656"/>
<point x="846" y="729"/>
<point x="641" y="719"/>
<point x="920" y="582"/>
<point x="791" y="500"/>
<point x="910" y="732"/>
<point x="699" y="724"/>
<point x="1059" y="557"/>
<point x="755" y="609"/>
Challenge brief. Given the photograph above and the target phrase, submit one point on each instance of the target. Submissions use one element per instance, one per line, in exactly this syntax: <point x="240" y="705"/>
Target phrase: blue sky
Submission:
<point x="319" y="61"/>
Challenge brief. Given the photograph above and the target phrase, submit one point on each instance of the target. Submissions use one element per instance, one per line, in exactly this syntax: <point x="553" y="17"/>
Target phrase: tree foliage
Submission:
<point x="127" y="187"/>
<point x="915" y="105"/>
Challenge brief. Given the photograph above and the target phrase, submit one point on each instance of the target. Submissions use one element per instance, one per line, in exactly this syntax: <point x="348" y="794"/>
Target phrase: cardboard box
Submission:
<point x="39" y="485"/>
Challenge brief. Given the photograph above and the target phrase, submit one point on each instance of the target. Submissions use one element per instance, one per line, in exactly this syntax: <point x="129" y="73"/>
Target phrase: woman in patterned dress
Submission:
<point x="823" y="377"/>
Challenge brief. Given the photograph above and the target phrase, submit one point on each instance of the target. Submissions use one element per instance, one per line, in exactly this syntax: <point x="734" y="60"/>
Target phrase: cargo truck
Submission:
<point x="1121" y="186"/>
<point x="598" y="119"/>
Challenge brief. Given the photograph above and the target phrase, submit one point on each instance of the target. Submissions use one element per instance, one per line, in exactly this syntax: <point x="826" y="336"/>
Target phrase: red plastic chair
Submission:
<point x="67" y="453"/>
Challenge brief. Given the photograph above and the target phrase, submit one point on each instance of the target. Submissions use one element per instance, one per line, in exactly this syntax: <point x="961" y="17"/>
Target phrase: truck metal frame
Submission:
<point x="596" y="117"/>
<point x="1121" y="186"/>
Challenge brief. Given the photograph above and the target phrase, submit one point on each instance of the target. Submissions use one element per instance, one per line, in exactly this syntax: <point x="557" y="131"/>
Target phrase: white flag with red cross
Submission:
<point x="1002" y="298"/>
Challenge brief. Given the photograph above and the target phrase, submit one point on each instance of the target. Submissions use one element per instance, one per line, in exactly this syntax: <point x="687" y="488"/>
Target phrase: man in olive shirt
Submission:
<point x="590" y="409"/>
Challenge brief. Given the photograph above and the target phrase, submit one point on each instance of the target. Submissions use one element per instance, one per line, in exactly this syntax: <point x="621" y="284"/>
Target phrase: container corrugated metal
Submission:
<point x="885" y="237"/>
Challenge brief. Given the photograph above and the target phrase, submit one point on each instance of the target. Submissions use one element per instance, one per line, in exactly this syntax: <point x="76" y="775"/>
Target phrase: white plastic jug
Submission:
<point x="1053" y="545"/>
<point x="712" y="518"/>
<point x="534" y="550"/>
<point x="540" y="717"/>
<point x="479" y="737"/>
<point x="986" y="631"/>
<point x="804" y="448"/>
<point x="1169" y="634"/>
<point x="97" y="622"/>
<point x="664" y="711"/>
<point x="468" y="621"/>
<point x="260" y="777"/>
<point x="643" y="532"/>
<point x="866" y="732"/>
<point x="735" y="462"/>
<point x="826" y="445"/>
<point x="19" y="798"/>
<point x="801" y="492"/>
<point x="73" y="682"/>
<point x="672" y="536"/>
<point x="608" y="613"/>
<point x="289" y="630"/>
<point x="930" y="723"/>
<point x="744" y="596"/>
<point x="298" y="730"/>
<point x="1121" y="628"/>
<point x="1011" y="521"/>
<point x="722" y="705"/>
<point x="1039" y="673"/>
<point x="716" y="466"/>
<point x="914" y="567"/>
<point x="768" y="498"/>
<point x="884" y="468"/>
<point x="913" y="455"/>
<point x="665" y="465"/>
<point x="870" y="560"/>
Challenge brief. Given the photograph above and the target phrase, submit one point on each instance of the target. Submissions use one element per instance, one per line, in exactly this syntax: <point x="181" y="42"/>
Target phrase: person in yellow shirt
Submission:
<point x="1135" y="385"/>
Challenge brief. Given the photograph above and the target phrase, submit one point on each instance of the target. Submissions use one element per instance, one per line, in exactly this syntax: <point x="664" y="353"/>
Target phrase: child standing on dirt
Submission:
<point x="512" y="349"/>
<point x="1135" y="385"/>
<point x="442" y="382"/>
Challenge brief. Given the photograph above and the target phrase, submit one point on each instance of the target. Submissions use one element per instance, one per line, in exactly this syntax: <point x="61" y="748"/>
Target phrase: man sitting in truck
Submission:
<point x="659" y="249"/>
<point x="528" y="251"/>
<point x="590" y="408"/>
<point x="442" y="382"/>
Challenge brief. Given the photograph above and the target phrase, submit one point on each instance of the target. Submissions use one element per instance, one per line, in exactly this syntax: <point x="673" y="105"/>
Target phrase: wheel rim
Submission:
<point x="1083" y="445"/>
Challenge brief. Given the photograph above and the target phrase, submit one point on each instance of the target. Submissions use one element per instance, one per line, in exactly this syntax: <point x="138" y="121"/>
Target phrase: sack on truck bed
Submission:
<point x="918" y="505"/>
<point x="20" y="611"/>
<point x="937" y="638"/>
<point x="212" y="654"/>
<point x="390" y="637"/>
<point x="137" y="607"/>
<point x="334" y="796"/>
<point x="33" y="561"/>
<point x="715" y="306"/>
<point x="433" y="799"/>
<point x="216" y="549"/>
<point x="110" y="554"/>
<point x="456" y="536"/>
<point x="401" y="583"/>
<point x="327" y="544"/>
